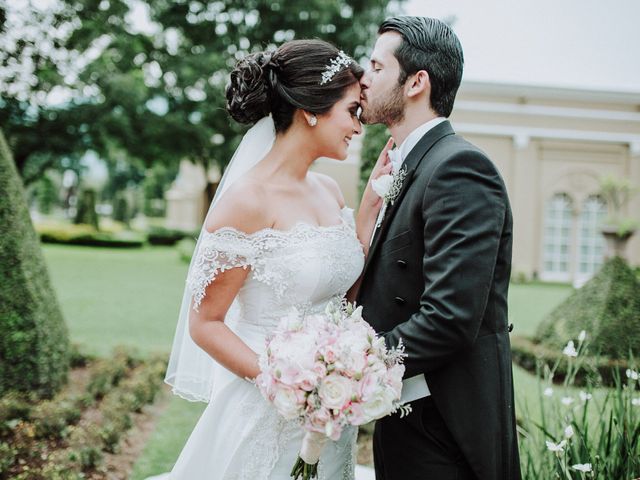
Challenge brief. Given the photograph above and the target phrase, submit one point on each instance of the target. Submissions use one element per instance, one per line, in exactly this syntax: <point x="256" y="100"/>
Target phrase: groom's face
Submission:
<point x="382" y="97"/>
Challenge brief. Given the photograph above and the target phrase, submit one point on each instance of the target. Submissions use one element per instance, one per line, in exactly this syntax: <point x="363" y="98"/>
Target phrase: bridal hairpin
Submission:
<point x="334" y="66"/>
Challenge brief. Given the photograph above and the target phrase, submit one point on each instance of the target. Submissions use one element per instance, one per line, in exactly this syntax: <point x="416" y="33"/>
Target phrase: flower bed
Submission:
<point x="68" y="436"/>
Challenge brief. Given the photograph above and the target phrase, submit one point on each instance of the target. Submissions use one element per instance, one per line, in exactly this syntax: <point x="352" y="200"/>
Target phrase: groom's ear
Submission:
<point x="418" y="83"/>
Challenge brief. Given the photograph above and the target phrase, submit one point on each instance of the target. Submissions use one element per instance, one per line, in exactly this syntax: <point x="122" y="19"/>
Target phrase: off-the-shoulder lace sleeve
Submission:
<point x="218" y="251"/>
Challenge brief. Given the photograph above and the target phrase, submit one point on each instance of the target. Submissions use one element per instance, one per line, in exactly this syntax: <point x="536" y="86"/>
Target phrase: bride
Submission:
<point x="276" y="236"/>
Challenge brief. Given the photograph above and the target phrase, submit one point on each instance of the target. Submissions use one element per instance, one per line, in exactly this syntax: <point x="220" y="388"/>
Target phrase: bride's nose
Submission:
<point x="357" y="126"/>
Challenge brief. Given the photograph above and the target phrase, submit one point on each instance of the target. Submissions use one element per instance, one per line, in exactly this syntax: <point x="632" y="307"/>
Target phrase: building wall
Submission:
<point x="551" y="147"/>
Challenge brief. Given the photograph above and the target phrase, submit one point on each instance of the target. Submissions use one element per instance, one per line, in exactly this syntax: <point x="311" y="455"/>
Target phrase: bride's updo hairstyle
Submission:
<point x="290" y="78"/>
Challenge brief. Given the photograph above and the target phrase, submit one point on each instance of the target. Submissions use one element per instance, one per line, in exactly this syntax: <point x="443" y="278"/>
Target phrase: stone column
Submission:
<point x="526" y="204"/>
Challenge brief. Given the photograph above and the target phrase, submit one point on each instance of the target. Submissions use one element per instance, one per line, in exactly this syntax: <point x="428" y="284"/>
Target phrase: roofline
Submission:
<point x="550" y="93"/>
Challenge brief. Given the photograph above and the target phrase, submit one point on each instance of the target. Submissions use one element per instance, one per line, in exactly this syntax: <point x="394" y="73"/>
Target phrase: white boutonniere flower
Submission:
<point x="388" y="186"/>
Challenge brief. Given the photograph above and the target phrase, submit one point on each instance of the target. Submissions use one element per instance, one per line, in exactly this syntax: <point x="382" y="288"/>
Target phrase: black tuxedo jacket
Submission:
<point x="437" y="277"/>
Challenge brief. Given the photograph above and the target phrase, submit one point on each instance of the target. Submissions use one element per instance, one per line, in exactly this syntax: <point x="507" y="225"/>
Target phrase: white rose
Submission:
<point x="335" y="391"/>
<point x="380" y="404"/>
<point x="382" y="185"/>
<point x="286" y="402"/>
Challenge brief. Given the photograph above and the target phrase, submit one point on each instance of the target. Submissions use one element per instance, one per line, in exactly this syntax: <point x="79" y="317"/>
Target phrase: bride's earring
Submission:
<point x="313" y="121"/>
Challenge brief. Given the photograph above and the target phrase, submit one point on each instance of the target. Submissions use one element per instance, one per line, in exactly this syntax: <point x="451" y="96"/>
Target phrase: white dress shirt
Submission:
<point x="415" y="387"/>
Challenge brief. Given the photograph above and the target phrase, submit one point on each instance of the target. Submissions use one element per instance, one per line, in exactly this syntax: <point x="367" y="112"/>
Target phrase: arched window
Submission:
<point x="591" y="242"/>
<point x="557" y="238"/>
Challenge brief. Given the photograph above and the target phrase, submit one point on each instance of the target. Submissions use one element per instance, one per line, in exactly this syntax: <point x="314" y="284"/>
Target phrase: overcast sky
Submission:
<point x="591" y="44"/>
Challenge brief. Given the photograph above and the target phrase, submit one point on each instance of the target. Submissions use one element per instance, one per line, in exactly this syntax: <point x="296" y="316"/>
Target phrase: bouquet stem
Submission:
<point x="306" y="466"/>
<point x="304" y="471"/>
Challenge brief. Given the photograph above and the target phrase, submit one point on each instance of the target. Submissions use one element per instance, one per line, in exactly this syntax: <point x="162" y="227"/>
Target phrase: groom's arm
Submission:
<point x="464" y="209"/>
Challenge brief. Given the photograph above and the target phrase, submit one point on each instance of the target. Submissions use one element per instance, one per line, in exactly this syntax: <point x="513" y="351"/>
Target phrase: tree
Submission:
<point x="154" y="92"/>
<point x="34" y="344"/>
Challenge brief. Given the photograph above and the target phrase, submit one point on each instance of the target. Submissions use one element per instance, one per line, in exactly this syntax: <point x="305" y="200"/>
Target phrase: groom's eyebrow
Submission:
<point x="375" y="61"/>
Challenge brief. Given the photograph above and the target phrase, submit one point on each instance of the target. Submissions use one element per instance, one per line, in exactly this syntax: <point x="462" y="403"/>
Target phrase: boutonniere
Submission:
<point x="388" y="186"/>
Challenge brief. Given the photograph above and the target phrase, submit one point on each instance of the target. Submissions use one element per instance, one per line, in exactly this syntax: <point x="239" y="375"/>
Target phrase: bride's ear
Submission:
<point x="310" y="118"/>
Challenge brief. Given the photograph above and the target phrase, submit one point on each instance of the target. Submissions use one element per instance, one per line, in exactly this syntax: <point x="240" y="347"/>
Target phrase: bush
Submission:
<point x="607" y="308"/>
<point x="121" y="210"/>
<point x="34" y="345"/>
<point x="86" y="213"/>
<point x="107" y="374"/>
<point x="13" y="406"/>
<point x="8" y="456"/>
<point x="374" y="140"/>
<point x="51" y="418"/>
<point x="165" y="236"/>
<point x="185" y="248"/>
<point x="86" y="235"/>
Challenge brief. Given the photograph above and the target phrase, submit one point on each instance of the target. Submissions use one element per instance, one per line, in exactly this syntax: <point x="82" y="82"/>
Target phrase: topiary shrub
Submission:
<point x="34" y="344"/>
<point x="121" y="210"/>
<point x="607" y="308"/>
<point x="86" y="213"/>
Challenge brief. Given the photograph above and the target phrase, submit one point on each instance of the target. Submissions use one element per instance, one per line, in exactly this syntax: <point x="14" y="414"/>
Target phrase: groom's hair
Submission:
<point x="429" y="44"/>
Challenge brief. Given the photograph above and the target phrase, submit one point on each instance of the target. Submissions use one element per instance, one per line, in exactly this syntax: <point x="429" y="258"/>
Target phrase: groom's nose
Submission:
<point x="365" y="80"/>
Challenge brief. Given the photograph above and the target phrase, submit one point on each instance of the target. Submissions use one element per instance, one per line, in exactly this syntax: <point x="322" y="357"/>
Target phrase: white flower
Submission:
<point x="568" y="432"/>
<point x="556" y="447"/>
<point x="548" y="392"/>
<point x="380" y="405"/>
<point x="582" y="467"/>
<point x="286" y="402"/>
<point x="584" y="396"/>
<point x="382" y="185"/>
<point x="335" y="391"/>
<point x="633" y="375"/>
<point x="567" y="400"/>
<point x="582" y="336"/>
<point x="635" y="402"/>
<point x="570" y="350"/>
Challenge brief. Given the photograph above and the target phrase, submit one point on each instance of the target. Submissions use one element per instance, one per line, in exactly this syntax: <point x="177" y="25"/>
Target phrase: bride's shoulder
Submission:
<point x="330" y="185"/>
<point x="244" y="207"/>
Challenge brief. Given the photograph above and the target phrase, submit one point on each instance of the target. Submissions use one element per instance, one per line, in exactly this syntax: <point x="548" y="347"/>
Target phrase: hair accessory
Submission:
<point x="334" y="66"/>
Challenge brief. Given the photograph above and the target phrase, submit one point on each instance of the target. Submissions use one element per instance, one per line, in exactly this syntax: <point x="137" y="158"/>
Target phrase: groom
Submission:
<point x="438" y="269"/>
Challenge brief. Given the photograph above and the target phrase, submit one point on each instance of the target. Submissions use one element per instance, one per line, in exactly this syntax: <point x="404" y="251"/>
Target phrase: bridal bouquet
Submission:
<point x="329" y="371"/>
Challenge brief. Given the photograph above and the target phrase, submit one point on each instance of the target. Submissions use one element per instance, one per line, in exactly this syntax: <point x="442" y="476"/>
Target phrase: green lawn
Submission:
<point x="131" y="297"/>
<point x="115" y="297"/>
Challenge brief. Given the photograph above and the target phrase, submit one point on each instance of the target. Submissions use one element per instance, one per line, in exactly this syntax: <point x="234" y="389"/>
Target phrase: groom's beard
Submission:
<point x="387" y="109"/>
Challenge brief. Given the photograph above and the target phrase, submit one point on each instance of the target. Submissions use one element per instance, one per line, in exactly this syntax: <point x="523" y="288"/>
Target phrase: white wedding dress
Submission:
<point x="240" y="436"/>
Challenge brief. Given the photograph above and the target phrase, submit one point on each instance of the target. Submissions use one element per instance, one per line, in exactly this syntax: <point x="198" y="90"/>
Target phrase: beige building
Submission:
<point x="551" y="145"/>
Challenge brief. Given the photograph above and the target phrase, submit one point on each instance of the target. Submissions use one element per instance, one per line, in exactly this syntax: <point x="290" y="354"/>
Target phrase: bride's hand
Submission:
<point x="371" y="201"/>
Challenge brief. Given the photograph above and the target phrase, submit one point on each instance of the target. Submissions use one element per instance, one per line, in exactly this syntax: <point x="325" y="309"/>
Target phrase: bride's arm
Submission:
<point x="368" y="211"/>
<point x="209" y="332"/>
<point x="371" y="203"/>
<point x="243" y="208"/>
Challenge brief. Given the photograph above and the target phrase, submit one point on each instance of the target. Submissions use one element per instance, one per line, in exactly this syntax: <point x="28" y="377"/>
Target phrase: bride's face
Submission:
<point x="336" y="128"/>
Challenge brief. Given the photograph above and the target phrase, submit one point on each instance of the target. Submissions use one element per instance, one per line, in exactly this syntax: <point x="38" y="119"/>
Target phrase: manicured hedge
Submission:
<point x="86" y="235"/>
<point x="166" y="236"/>
<point x="34" y="345"/>
<point x="607" y="308"/>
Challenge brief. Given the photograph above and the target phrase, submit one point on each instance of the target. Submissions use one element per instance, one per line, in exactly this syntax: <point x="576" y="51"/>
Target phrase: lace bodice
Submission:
<point x="304" y="266"/>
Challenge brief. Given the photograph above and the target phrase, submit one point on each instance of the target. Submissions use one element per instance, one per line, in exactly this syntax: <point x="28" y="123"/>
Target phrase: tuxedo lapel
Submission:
<point x="411" y="164"/>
